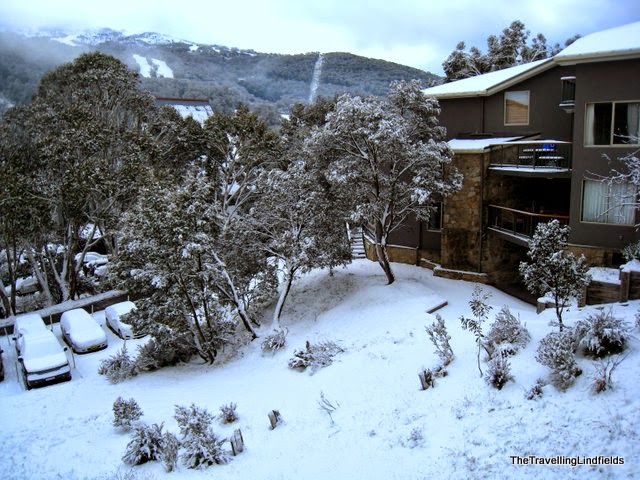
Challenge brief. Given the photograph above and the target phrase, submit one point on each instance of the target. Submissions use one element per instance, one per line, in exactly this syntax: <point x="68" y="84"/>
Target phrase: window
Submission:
<point x="516" y="108"/>
<point x="435" y="218"/>
<point x="608" y="203"/>
<point x="612" y="123"/>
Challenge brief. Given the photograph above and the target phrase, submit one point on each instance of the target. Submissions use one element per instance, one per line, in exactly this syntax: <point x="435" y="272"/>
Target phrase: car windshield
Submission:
<point x="41" y="346"/>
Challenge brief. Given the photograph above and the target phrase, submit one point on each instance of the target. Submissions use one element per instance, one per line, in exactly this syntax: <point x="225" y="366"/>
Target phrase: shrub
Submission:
<point x="145" y="444"/>
<point x="536" y="391"/>
<point x="602" y="376"/>
<point x="631" y="252"/>
<point x="170" y="447"/>
<point x="499" y="372"/>
<point x="439" y="336"/>
<point x="126" y="413"/>
<point x="314" y="356"/>
<point x="201" y="446"/>
<point x="601" y="334"/>
<point x="119" y="366"/>
<point x="556" y="351"/>
<point x="506" y="334"/>
<point x="166" y="347"/>
<point x="275" y="341"/>
<point x="228" y="413"/>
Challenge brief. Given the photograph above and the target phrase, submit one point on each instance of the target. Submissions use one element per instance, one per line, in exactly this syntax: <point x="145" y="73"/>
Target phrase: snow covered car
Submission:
<point x="29" y="323"/>
<point x="114" y="314"/>
<point x="43" y="359"/>
<point x="81" y="332"/>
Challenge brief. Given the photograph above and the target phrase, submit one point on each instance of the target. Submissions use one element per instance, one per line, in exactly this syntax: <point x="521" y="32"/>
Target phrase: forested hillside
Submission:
<point x="178" y="68"/>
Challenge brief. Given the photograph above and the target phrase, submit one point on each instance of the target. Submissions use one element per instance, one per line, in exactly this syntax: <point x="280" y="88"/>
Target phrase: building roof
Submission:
<point x="613" y="44"/>
<point x="197" y="108"/>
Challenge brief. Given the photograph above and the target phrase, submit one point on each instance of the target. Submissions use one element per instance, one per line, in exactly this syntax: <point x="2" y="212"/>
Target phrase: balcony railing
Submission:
<point x="539" y="154"/>
<point x="520" y="225"/>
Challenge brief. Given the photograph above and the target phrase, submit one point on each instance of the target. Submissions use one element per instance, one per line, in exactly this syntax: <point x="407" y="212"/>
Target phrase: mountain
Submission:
<point x="172" y="67"/>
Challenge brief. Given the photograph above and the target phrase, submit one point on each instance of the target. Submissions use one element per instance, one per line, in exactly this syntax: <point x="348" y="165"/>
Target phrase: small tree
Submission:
<point x="480" y="310"/>
<point x="552" y="269"/>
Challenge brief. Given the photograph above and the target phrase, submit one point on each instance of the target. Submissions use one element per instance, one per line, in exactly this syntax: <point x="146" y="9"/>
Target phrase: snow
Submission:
<point x="605" y="275"/>
<point x="611" y="42"/>
<point x="631" y="266"/>
<point x="198" y="112"/>
<point x="383" y="426"/>
<point x="487" y="83"/>
<point x="145" y="67"/>
<point x="68" y="40"/>
<point x="194" y="48"/>
<point x="162" y="69"/>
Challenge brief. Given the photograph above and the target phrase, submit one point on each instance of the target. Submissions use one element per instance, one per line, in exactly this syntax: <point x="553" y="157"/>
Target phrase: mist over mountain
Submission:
<point x="171" y="67"/>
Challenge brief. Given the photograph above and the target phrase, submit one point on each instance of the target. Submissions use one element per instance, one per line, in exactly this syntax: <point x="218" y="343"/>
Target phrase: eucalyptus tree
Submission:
<point x="386" y="159"/>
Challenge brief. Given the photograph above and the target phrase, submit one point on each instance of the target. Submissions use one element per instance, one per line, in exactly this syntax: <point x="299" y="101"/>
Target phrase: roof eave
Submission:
<point x="598" y="57"/>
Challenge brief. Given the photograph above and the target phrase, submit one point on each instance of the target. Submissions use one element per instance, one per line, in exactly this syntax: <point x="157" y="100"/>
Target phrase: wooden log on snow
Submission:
<point x="274" y="418"/>
<point x="237" y="442"/>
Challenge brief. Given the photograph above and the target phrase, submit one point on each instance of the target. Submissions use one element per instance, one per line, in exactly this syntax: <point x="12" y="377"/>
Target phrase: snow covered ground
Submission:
<point x="383" y="426"/>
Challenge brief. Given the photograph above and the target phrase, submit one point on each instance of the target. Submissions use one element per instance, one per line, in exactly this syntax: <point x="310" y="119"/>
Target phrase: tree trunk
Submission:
<point x="288" y="280"/>
<point x="6" y="304"/>
<point x="40" y="276"/>
<point x="381" y="253"/>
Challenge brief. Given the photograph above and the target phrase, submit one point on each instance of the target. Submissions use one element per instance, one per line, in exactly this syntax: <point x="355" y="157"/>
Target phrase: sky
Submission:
<point x="418" y="33"/>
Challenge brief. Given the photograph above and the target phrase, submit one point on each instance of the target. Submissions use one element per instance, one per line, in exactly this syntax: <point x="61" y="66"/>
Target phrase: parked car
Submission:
<point x="81" y="332"/>
<point x="114" y="314"/>
<point x="43" y="359"/>
<point x="28" y="323"/>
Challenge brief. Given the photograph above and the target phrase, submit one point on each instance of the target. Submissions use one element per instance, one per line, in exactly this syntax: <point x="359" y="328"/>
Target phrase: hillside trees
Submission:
<point x="86" y="154"/>
<point x="386" y="159"/>
<point x="186" y="247"/>
<point x="509" y="48"/>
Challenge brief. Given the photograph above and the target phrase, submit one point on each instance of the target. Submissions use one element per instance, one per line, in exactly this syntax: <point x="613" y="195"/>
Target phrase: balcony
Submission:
<point x="538" y="158"/>
<point x="518" y="226"/>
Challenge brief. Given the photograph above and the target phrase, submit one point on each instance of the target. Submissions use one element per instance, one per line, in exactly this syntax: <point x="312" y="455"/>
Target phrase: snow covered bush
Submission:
<point x="536" y="391"/>
<point x="145" y="444"/>
<point x="165" y="347"/>
<point x="118" y="367"/>
<point x="480" y="309"/>
<point x="201" y="445"/>
<point x="553" y="270"/>
<point x="126" y="413"/>
<point x="631" y="251"/>
<point x="439" y="336"/>
<point x="601" y="334"/>
<point x="228" y="413"/>
<point x="556" y="351"/>
<point x="506" y="334"/>
<point x="314" y="356"/>
<point x="169" y="454"/>
<point x="275" y="340"/>
<point x="499" y="372"/>
<point x="602" y="376"/>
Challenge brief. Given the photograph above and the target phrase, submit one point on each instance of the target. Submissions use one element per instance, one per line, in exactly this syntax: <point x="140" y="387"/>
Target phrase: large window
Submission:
<point x="608" y="203"/>
<point x="516" y="108"/>
<point x="612" y="123"/>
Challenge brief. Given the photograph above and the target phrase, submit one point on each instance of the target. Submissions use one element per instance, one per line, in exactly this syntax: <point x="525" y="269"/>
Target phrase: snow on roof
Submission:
<point x="198" y="109"/>
<point x="486" y="84"/>
<point x="476" y="145"/>
<point x="615" y="42"/>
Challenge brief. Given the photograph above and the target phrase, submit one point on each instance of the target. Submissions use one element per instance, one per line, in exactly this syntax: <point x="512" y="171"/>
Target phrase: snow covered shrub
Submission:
<point x="314" y="356"/>
<point x="506" y="334"/>
<point x="601" y="334"/>
<point x="145" y="444"/>
<point x="556" y="351"/>
<point x="536" y="391"/>
<point x="166" y="347"/>
<point x="228" y="413"/>
<point x="499" y="372"/>
<point x="119" y="366"/>
<point x="126" y="413"/>
<point x="480" y="309"/>
<point x="631" y="252"/>
<point x="170" y="447"/>
<point x="602" y="376"/>
<point x="201" y="445"/>
<point x="439" y="336"/>
<point x="275" y="341"/>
